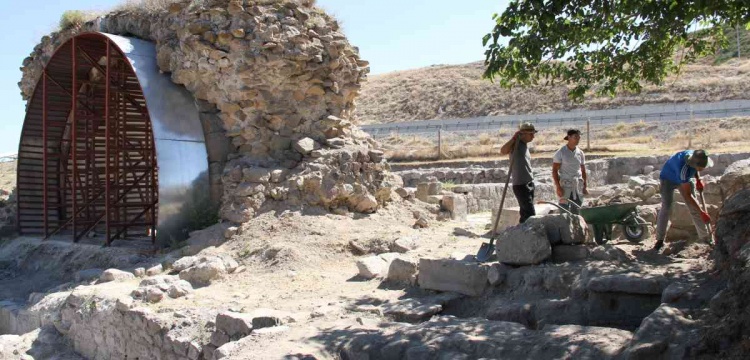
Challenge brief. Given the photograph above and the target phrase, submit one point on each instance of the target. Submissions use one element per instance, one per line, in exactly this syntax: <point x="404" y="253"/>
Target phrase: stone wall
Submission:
<point x="600" y="171"/>
<point x="486" y="197"/>
<point x="279" y="79"/>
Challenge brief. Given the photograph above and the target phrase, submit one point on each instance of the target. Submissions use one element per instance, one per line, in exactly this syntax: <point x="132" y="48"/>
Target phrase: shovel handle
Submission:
<point x="505" y="190"/>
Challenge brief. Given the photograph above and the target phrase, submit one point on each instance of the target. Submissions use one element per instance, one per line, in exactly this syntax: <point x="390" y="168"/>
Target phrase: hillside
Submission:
<point x="458" y="91"/>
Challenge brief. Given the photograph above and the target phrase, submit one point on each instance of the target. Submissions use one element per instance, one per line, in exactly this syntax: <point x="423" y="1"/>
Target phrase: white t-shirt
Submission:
<point x="570" y="162"/>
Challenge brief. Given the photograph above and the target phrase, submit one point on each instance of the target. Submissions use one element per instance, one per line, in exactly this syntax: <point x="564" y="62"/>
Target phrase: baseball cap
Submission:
<point x="527" y="126"/>
<point x="572" y="132"/>
<point x="700" y="158"/>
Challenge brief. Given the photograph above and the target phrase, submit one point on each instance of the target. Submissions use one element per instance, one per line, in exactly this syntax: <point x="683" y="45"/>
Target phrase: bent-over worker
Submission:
<point x="678" y="173"/>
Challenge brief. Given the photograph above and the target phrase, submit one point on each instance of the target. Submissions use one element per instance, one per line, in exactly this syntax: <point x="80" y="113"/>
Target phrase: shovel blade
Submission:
<point x="485" y="252"/>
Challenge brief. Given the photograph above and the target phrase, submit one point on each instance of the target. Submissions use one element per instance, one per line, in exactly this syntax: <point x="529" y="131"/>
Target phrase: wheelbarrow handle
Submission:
<point x="557" y="206"/>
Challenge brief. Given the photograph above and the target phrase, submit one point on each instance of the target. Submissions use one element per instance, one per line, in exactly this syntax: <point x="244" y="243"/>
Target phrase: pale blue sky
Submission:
<point x="391" y="35"/>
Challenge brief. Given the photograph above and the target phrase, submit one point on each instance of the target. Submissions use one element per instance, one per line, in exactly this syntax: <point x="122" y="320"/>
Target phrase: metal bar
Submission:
<point x="74" y="96"/>
<point x="119" y="87"/>
<point x="106" y="148"/>
<point x="96" y="197"/>
<point x="129" y="223"/>
<point x="67" y="92"/>
<point x="44" y="151"/>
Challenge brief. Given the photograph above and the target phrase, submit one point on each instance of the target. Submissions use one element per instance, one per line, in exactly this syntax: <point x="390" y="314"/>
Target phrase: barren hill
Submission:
<point x="458" y="91"/>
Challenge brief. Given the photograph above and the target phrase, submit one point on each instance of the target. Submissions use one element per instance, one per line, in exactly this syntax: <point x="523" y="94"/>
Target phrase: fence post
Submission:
<point x="440" y="142"/>
<point x="588" y="136"/>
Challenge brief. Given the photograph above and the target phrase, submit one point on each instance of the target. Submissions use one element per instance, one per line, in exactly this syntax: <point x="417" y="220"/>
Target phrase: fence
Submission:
<point x="434" y="139"/>
<point x="8" y="157"/>
<point x="678" y="112"/>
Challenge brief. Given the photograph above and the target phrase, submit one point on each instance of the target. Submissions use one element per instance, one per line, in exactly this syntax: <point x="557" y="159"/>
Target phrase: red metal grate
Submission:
<point x="86" y="160"/>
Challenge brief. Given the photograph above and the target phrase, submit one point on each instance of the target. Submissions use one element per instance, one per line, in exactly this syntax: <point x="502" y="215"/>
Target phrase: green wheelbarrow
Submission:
<point x="602" y="218"/>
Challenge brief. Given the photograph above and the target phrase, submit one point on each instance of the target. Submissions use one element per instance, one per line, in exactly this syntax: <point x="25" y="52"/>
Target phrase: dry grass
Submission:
<point x="622" y="139"/>
<point x="75" y="18"/>
<point x="458" y="91"/>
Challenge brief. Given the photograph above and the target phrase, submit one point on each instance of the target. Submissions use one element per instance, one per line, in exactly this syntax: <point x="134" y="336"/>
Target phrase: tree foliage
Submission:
<point x="604" y="45"/>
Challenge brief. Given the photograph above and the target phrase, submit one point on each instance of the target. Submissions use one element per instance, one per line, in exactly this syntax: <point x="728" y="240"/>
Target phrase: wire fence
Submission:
<point x="603" y="117"/>
<point x="8" y="157"/>
<point x="609" y="135"/>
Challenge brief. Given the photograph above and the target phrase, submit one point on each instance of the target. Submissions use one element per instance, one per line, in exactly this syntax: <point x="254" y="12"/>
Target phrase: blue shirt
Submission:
<point x="676" y="168"/>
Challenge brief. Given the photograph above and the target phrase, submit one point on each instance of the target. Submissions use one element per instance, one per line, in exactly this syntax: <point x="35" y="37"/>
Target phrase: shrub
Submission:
<point x="74" y="18"/>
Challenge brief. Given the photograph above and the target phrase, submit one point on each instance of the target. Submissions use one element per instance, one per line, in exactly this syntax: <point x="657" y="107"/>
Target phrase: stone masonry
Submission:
<point x="267" y="76"/>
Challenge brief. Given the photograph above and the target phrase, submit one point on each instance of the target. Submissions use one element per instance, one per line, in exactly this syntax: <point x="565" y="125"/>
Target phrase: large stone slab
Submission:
<point x="468" y="278"/>
<point x="416" y="310"/>
<point x="631" y="283"/>
<point x="563" y="228"/>
<point x="511" y="215"/>
<point x="523" y="244"/>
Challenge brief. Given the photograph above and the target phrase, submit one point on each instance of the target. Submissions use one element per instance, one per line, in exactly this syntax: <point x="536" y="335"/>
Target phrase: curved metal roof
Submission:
<point x="151" y="110"/>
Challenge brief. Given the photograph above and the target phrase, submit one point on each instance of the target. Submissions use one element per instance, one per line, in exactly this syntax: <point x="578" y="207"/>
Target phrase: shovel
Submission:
<point x="708" y="225"/>
<point x="486" y="250"/>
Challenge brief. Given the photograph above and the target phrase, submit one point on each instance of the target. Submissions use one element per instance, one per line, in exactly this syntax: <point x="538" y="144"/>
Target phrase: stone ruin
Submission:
<point x="275" y="84"/>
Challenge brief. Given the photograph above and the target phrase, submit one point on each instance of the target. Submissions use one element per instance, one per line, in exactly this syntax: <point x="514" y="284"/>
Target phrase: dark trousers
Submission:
<point x="525" y="196"/>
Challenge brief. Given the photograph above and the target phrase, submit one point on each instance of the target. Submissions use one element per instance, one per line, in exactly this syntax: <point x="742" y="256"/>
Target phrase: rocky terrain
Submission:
<point x="395" y="284"/>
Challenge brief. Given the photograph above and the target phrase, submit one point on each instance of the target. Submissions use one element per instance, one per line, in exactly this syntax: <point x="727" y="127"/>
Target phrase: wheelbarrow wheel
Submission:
<point x="634" y="230"/>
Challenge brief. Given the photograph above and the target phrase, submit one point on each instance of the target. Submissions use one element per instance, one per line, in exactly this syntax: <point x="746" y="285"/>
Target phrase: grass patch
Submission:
<point x="75" y="18"/>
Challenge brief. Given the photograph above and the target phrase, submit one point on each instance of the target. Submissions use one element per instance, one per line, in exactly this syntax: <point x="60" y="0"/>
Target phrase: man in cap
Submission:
<point x="569" y="172"/>
<point x="523" y="180"/>
<point x="678" y="173"/>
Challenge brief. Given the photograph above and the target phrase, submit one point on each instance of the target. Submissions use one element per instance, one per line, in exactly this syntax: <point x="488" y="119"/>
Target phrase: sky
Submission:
<point x="391" y="34"/>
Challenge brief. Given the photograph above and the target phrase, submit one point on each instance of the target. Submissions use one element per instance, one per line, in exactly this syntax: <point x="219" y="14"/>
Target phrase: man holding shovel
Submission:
<point x="569" y="172"/>
<point x="523" y="180"/>
<point x="678" y="173"/>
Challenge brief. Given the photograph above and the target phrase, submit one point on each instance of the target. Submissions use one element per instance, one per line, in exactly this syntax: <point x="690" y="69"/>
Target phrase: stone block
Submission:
<point x="456" y="205"/>
<point x="234" y="324"/>
<point x="415" y="310"/>
<point x="405" y="244"/>
<point x="497" y="273"/>
<point x="523" y="244"/>
<point x="468" y="278"/>
<point x="154" y="270"/>
<point x="264" y="318"/>
<point x="179" y="289"/>
<point x="306" y="146"/>
<point x="566" y="253"/>
<point x="115" y="275"/>
<point x="562" y="228"/>
<point x="631" y="283"/>
<point x="371" y="267"/>
<point x="422" y="191"/>
<point x="403" y="270"/>
<point x="204" y="272"/>
<point x="511" y="215"/>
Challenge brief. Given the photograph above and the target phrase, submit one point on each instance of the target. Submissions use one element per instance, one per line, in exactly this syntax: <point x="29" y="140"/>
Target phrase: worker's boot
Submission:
<point x="658" y="245"/>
